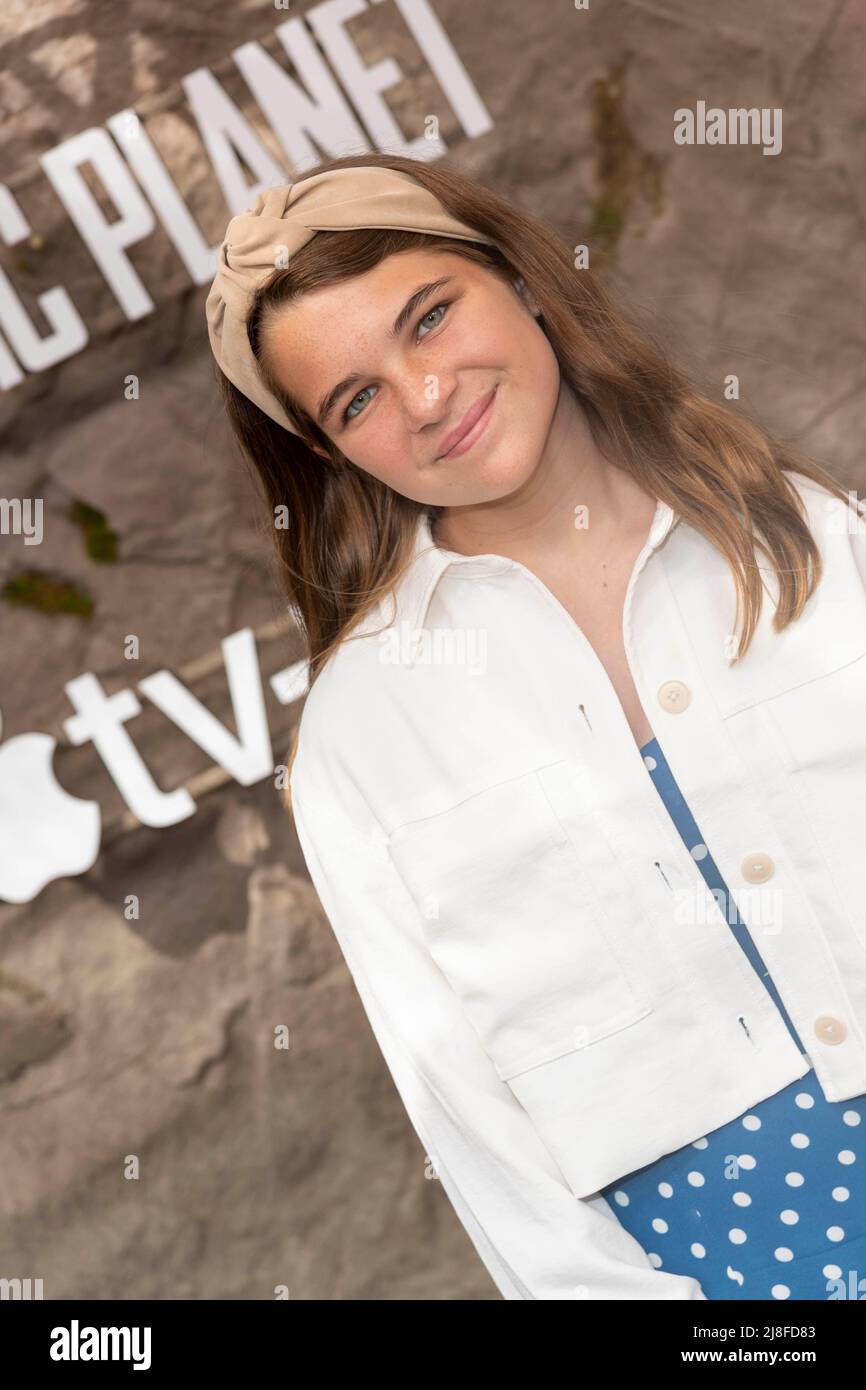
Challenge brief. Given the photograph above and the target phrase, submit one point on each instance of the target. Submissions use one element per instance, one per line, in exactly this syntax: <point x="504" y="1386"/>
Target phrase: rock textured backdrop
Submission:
<point x="153" y="1141"/>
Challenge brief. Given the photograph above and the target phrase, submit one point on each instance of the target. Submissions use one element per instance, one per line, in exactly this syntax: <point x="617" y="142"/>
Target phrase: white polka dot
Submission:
<point x="804" y="1100"/>
<point x="789" y="1217"/>
<point x="699" y="852"/>
<point x="696" y="1179"/>
<point x="746" y="1161"/>
<point x="846" y="1156"/>
<point x="835" y="1233"/>
<point x="650" y="762"/>
<point x="783" y="1253"/>
<point x="751" y="1122"/>
<point x="699" y="1143"/>
<point x="665" y="1189"/>
<point x="850" y="1118"/>
<point x="742" y="1199"/>
<point x="659" y="1225"/>
<point x="840" y="1194"/>
<point x="655" y="1260"/>
<point x="794" y="1179"/>
<point x="780" y="1291"/>
<point x="699" y="1251"/>
<point x="832" y="1272"/>
<point x="800" y="1141"/>
<point x="737" y="1236"/>
<point x="735" y="1275"/>
<point x="622" y="1199"/>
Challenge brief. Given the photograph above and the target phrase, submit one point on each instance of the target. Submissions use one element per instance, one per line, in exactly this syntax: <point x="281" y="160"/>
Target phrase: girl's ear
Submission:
<point x="527" y="296"/>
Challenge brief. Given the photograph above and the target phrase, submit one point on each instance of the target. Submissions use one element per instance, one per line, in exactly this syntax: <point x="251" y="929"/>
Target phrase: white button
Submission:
<point x="757" y="868"/>
<point x="830" y="1029"/>
<point x="674" y="696"/>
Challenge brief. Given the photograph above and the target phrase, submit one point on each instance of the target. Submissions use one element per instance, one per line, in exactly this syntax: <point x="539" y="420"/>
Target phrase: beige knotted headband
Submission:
<point x="280" y="222"/>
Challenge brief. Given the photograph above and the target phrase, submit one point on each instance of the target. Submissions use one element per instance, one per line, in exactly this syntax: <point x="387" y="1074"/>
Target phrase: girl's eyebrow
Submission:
<point x="415" y="300"/>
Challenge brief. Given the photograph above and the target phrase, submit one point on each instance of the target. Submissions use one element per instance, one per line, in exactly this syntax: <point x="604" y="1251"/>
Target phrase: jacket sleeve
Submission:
<point x="535" y="1237"/>
<point x="858" y="542"/>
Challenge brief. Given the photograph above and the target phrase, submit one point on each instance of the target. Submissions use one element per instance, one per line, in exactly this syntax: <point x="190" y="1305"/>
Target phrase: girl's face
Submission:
<point x="392" y="362"/>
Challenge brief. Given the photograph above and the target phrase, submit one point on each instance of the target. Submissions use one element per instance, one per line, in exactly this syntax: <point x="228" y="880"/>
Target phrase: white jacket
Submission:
<point x="556" y="993"/>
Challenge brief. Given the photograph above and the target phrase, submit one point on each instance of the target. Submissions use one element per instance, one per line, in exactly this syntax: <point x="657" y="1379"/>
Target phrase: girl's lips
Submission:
<point x="475" y="432"/>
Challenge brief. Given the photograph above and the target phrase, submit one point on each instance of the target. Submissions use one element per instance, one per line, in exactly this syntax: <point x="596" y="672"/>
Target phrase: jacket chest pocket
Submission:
<point x="510" y="921"/>
<point x="822" y="721"/>
<point x="817" y="734"/>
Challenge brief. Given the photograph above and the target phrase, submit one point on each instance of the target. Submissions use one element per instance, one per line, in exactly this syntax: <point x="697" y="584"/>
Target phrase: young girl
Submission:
<point x="541" y="768"/>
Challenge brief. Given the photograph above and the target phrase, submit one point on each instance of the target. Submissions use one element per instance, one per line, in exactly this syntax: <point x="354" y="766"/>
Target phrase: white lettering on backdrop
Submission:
<point x="310" y="121"/>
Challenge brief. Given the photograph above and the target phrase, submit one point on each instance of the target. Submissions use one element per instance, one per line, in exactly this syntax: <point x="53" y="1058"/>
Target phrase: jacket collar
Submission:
<point x="429" y="562"/>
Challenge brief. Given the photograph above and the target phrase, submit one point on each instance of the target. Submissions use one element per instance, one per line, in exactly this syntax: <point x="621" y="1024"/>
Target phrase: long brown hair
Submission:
<point x="347" y="536"/>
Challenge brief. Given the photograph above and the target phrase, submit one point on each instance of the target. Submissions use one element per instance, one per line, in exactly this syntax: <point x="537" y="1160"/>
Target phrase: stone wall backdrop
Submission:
<point x="154" y="1143"/>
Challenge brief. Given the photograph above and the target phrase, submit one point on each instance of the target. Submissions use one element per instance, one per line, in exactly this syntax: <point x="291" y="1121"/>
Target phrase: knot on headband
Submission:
<point x="280" y="222"/>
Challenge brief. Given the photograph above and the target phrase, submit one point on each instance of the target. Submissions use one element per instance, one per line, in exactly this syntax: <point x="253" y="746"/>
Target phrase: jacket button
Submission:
<point x="674" y="696"/>
<point x="830" y="1029"/>
<point x="757" y="868"/>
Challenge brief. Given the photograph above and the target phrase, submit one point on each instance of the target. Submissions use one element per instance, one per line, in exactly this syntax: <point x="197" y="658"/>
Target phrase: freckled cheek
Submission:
<point x="388" y="455"/>
<point x="474" y="345"/>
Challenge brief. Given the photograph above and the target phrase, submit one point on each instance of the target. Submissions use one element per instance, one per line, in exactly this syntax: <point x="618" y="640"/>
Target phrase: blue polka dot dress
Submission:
<point x="773" y="1204"/>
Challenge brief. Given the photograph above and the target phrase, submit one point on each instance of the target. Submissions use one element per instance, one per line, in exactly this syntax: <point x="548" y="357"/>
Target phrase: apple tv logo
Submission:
<point x="46" y="833"/>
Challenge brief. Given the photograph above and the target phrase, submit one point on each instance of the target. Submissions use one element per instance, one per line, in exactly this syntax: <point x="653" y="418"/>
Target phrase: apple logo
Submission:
<point x="44" y="832"/>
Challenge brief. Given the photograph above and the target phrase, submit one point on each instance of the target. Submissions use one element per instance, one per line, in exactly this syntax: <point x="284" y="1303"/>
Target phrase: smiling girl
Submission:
<point x="622" y="1095"/>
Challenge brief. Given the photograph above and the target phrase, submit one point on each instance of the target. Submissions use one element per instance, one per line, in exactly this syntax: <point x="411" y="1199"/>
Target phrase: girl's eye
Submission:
<point x="346" y="415"/>
<point x="435" y="310"/>
<point x="430" y="312"/>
